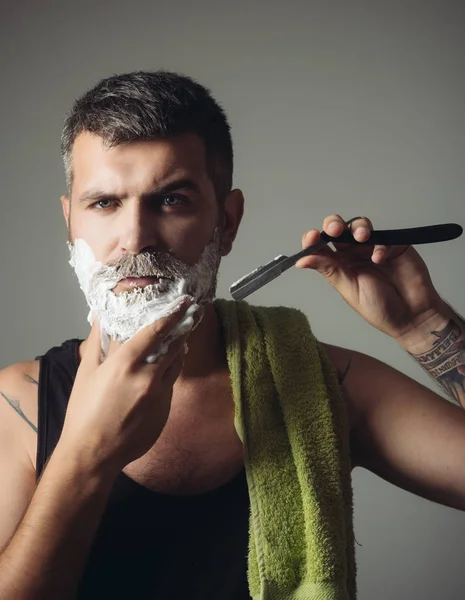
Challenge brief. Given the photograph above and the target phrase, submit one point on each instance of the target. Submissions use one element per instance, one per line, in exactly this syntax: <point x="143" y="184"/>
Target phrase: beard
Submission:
<point x="122" y="316"/>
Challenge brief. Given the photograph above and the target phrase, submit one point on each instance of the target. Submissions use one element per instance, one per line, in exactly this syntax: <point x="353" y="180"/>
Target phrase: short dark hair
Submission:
<point x="148" y="105"/>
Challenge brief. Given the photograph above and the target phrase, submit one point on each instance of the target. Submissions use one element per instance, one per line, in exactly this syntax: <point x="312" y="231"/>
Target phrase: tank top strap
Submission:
<point x="57" y="371"/>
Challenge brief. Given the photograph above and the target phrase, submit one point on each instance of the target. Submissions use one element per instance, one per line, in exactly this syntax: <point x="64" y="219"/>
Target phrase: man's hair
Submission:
<point x="148" y="106"/>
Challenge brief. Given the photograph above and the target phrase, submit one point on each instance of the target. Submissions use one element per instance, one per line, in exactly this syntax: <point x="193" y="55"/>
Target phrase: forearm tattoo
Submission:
<point x="445" y="360"/>
<point x="16" y="407"/>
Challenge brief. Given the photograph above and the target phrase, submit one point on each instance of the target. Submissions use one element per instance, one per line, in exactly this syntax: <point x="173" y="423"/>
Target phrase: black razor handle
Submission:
<point x="429" y="234"/>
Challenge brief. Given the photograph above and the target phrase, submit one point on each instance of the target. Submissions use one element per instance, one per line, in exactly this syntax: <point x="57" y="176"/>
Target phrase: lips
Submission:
<point x="141" y="281"/>
<point x="129" y="283"/>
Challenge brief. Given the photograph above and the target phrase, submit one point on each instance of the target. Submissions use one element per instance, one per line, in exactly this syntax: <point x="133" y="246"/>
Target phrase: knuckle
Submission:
<point x="145" y="385"/>
<point x="122" y="365"/>
<point x="329" y="270"/>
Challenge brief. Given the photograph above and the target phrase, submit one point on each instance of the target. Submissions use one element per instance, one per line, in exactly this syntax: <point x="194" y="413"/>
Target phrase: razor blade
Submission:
<point x="430" y="234"/>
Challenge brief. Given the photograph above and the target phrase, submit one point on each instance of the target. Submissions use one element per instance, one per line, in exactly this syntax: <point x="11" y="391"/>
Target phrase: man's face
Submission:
<point x="152" y="198"/>
<point x="142" y="196"/>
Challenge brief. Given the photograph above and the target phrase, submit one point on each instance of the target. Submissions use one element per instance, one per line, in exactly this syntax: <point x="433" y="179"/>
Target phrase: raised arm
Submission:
<point x="115" y="414"/>
<point x="390" y="287"/>
<point x="45" y="530"/>
<point x="438" y="346"/>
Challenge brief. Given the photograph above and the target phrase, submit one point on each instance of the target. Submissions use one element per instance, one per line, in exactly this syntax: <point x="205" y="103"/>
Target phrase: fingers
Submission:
<point x="175" y="368"/>
<point x="92" y="354"/>
<point x="171" y="350"/>
<point x="310" y="238"/>
<point x="334" y="225"/>
<point x="146" y="341"/>
<point x="168" y="365"/>
<point x="362" y="228"/>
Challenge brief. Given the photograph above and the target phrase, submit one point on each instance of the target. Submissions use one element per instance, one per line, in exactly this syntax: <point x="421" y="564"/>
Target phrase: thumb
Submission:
<point x="91" y="358"/>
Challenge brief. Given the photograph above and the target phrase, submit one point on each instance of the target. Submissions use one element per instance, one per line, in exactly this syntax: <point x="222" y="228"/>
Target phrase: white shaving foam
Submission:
<point x="122" y="316"/>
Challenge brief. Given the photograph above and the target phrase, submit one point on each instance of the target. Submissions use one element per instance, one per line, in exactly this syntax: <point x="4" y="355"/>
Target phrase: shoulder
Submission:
<point x="19" y="404"/>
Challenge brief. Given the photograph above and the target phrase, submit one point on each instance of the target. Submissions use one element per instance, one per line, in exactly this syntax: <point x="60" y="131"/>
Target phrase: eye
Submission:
<point x="173" y="200"/>
<point x="103" y="204"/>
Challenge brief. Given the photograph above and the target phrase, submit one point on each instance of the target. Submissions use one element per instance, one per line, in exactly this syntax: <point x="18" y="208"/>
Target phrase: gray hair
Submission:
<point x="147" y="105"/>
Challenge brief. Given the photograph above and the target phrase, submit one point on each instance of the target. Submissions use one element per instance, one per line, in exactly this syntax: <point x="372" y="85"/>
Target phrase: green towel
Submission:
<point x="292" y="421"/>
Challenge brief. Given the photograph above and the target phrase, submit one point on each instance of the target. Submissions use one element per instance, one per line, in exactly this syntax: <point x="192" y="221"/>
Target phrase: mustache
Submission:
<point x="146" y="264"/>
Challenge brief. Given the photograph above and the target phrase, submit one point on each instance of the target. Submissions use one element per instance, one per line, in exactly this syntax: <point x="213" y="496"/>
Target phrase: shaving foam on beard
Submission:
<point x="121" y="317"/>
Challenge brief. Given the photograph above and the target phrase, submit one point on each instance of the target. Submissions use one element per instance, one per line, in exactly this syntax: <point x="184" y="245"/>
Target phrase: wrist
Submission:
<point x="422" y="335"/>
<point x="83" y="465"/>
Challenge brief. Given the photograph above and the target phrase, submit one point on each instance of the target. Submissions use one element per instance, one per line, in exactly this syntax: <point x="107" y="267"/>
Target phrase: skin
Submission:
<point x="151" y="196"/>
<point x="381" y="274"/>
<point x="392" y="290"/>
<point x="398" y="429"/>
<point x="46" y="552"/>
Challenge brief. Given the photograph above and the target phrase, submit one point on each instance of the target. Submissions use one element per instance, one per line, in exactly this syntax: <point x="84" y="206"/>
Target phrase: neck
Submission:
<point x="206" y="347"/>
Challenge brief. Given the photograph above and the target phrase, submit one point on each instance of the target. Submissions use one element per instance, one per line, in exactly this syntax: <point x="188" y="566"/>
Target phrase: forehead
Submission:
<point x="135" y="166"/>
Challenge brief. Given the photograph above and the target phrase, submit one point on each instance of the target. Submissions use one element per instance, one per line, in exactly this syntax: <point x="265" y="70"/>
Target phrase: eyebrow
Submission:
<point x="94" y="194"/>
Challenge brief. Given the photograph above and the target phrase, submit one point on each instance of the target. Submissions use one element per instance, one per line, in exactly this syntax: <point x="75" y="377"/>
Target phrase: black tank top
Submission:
<point x="151" y="545"/>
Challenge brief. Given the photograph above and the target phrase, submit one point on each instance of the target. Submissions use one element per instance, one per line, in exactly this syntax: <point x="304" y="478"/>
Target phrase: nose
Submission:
<point x="138" y="229"/>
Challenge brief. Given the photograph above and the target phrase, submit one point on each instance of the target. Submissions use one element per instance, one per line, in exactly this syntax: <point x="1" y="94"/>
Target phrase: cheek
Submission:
<point x="90" y="231"/>
<point x="188" y="241"/>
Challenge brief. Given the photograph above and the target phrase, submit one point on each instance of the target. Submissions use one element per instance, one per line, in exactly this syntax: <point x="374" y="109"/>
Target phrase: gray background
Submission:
<point x="354" y="108"/>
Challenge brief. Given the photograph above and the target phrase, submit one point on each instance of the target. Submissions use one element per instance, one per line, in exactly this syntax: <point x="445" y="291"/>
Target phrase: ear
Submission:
<point x="233" y="210"/>
<point x="65" y="203"/>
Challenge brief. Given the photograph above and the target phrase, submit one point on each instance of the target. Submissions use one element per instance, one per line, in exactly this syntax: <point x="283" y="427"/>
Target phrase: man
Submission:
<point x="142" y="488"/>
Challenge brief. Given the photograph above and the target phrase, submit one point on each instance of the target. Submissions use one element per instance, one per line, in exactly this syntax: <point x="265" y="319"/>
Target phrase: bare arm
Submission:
<point x="391" y="288"/>
<point x="438" y="345"/>
<point x="402" y="431"/>
<point x="47" y="554"/>
<point x="60" y="516"/>
<point x="115" y="414"/>
<point x="17" y="474"/>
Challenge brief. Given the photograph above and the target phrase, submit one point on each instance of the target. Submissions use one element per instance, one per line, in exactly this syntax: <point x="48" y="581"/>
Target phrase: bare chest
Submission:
<point x="198" y="450"/>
